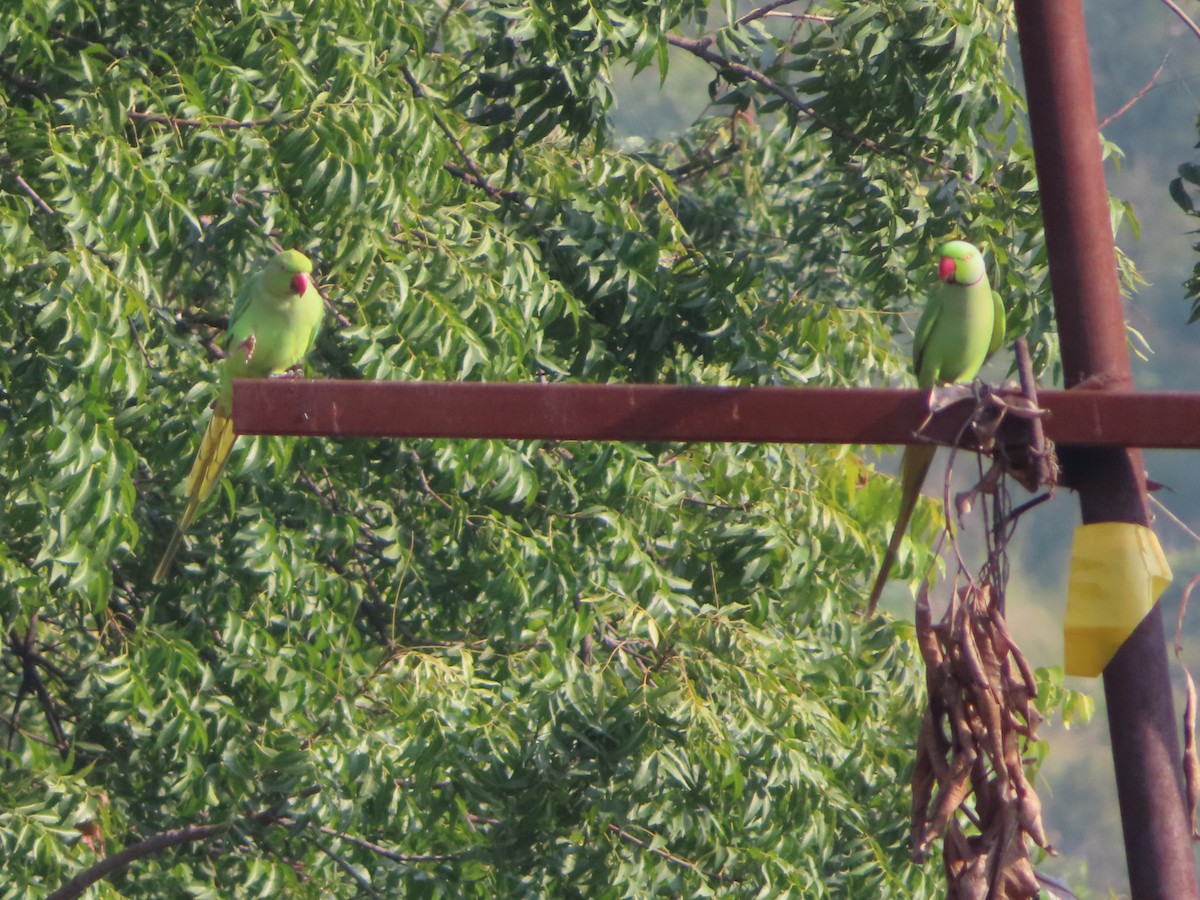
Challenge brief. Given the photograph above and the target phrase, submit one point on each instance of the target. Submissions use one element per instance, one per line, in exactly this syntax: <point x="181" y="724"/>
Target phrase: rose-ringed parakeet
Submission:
<point x="961" y="326"/>
<point x="274" y="323"/>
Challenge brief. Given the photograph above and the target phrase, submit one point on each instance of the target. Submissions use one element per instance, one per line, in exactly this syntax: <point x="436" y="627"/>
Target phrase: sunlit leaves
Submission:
<point x="1182" y="190"/>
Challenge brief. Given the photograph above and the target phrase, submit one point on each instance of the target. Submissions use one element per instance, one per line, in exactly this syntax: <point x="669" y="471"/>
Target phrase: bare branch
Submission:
<point x="1166" y="511"/>
<point x="149" y="847"/>
<point x="1183" y="16"/>
<point x="1135" y="98"/>
<point x="175" y="837"/>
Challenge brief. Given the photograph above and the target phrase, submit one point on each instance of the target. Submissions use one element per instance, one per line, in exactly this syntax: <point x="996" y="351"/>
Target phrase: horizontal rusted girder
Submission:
<point x="693" y="413"/>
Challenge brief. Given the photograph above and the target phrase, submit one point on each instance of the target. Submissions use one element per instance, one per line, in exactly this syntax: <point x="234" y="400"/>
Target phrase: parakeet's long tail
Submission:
<point x="914" y="466"/>
<point x="210" y="461"/>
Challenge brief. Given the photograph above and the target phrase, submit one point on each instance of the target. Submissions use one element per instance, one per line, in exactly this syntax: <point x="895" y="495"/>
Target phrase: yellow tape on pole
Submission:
<point x="1118" y="571"/>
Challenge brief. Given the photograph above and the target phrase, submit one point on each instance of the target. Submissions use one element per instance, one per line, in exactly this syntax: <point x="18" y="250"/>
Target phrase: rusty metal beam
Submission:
<point x="643" y="412"/>
<point x="1110" y="481"/>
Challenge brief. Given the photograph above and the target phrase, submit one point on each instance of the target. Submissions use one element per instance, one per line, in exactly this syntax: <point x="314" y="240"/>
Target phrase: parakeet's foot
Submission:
<point x="247" y="347"/>
<point x="296" y="371"/>
<point x="944" y="395"/>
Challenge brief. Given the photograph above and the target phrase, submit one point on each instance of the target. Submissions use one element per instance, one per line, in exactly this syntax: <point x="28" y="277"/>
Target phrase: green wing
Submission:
<point x="241" y="301"/>
<point x="925" y="328"/>
<point x="999" y="323"/>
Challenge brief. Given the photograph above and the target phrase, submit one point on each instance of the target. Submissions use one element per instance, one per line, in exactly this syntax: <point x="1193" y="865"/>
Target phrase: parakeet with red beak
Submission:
<point x="273" y="326"/>
<point x="961" y="326"/>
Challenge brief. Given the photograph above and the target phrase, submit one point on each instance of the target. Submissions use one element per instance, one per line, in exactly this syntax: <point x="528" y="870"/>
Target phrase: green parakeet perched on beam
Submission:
<point x="274" y="323"/>
<point x="961" y="326"/>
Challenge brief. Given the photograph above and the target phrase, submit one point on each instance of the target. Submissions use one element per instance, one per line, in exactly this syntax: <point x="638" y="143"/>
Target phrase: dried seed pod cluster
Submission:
<point x="981" y="715"/>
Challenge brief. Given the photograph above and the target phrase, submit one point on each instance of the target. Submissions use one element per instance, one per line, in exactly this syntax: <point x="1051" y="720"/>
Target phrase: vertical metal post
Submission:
<point x="1110" y="482"/>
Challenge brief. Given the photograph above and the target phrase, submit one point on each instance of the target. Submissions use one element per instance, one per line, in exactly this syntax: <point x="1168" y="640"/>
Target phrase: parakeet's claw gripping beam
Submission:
<point x="691" y="413"/>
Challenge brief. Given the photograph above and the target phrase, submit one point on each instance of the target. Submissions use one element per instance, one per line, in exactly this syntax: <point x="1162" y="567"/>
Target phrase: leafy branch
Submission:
<point x="702" y="48"/>
<point x="472" y="175"/>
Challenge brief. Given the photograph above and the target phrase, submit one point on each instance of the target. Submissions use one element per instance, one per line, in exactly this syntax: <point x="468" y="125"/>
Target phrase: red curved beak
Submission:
<point x="947" y="268"/>
<point x="300" y="283"/>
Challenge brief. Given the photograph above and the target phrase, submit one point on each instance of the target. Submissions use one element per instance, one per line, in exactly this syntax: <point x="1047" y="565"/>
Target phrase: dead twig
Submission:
<point x="1135" y="98"/>
<point x="1043" y="455"/>
<point x="1183" y="17"/>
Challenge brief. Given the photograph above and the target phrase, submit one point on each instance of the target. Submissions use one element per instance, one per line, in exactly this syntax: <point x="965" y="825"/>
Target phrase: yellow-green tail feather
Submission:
<point x="210" y="462"/>
<point x="914" y="466"/>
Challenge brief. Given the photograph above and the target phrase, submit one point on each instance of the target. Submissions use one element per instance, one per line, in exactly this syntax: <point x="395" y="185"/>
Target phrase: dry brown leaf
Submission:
<point x="969" y="766"/>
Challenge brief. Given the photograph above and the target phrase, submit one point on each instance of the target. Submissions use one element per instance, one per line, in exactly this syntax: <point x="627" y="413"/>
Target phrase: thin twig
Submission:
<point x="1183" y="605"/>
<point x="1174" y="518"/>
<point x="1183" y="16"/>
<point x="431" y="492"/>
<point x="946" y="507"/>
<point x="1028" y="505"/>
<point x="760" y="12"/>
<point x="26" y="733"/>
<point x="419" y="92"/>
<point x="476" y="181"/>
<point x="42" y="204"/>
<point x="363" y="884"/>
<point x="1029" y="390"/>
<point x="1135" y="98"/>
<point x="337" y="314"/>
<point x="802" y="17"/>
<point x="701" y="165"/>
<point x="160" y="119"/>
<point x="384" y="851"/>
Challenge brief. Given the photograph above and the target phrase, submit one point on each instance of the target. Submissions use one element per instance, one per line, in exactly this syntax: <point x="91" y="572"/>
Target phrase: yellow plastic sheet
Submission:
<point x="1118" y="571"/>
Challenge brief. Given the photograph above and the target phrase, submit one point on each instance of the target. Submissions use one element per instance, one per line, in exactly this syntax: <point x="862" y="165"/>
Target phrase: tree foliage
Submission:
<point x="471" y="668"/>
<point x="1183" y="188"/>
